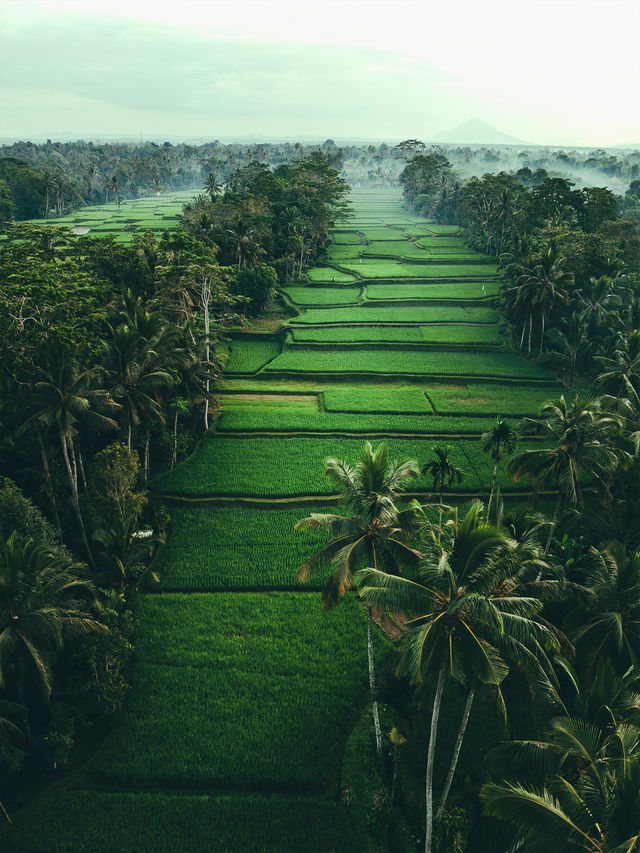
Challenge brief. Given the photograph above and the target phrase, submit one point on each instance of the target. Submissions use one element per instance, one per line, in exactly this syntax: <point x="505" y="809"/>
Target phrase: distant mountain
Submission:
<point x="476" y="132"/>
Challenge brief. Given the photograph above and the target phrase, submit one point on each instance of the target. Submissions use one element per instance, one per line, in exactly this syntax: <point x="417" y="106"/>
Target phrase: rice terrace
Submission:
<point x="319" y="427"/>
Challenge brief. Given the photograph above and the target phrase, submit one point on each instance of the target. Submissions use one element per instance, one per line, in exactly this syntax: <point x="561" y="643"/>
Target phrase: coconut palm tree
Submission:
<point x="538" y="288"/>
<point x="588" y="797"/>
<point x="442" y="471"/>
<point x="582" y="435"/>
<point x="213" y="185"/>
<point x="134" y="375"/>
<point x="245" y="236"/>
<point x="498" y="441"/>
<point x="69" y="400"/>
<point x="621" y="373"/>
<point x="126" y="554"/>
<point x="373" y="533"/>
<point x="43" y="600"/>
<point x="467" y="618"/>
<point x="610" y="617"/>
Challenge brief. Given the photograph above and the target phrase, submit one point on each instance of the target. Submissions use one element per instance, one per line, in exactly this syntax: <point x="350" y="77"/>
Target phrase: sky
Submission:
<point x="557" y="72"/>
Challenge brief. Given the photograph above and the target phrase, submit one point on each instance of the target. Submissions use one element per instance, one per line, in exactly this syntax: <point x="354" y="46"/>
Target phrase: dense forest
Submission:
<point x="48" y="180"/>
<point x="110" y="357"/>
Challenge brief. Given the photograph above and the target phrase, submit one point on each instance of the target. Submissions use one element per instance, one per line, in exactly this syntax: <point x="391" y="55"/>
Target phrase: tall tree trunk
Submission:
<point x="530" y="331"/>
<point x="372" y="672"/>
<point x="129" y="431"/>
<point x="82" y="474"/>
<point x="174" y="457"/>
<point x="48" y="481"/>
<point x="541" y="332"/>
<point x="428" y="796"/>
<point x="493" y="485"/>
<point x="456" y="753"/>
<point x="372" y="684"/>
<point x="146" y="457"/>
<point x="553" y="526"/>
<point x="74" y="499"/>
<point x="524" y="329"/>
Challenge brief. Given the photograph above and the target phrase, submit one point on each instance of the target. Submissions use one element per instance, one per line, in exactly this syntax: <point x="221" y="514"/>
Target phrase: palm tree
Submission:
<point x="498" y="441"/>
<point x="442" y="472"/>
<point x="43" y="600"/>
<point x="582" y="435"/>
<point x="212" y="185"/>
<point x="588" y="799"/>
<point x="600" y="302"/>
<point x="621" y="374"/>
<point x="537" y="288"/>
<point x="610" y="618"/>
<point x="373" y="532"/>
<point x="127" y="554"/>
<point x="134" y="376"/>
<point x="571" y="346"/>
<point x="66" y="400"/>
<point x="244" y="236"/>
<point x="467" y="617"/>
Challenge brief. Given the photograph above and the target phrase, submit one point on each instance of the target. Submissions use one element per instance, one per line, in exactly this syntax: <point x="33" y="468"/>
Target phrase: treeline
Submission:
<point x="508" y="715"/>
<point x="52" y="179"/>
<point x="108" y="355"/>
<point x="282" y="215"/>
<point x="570" y="261"/>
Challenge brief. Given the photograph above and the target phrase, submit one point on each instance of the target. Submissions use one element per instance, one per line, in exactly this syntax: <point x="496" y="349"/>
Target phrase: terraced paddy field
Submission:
<point x="246" y="691"/>
<point x="154" y="213"/>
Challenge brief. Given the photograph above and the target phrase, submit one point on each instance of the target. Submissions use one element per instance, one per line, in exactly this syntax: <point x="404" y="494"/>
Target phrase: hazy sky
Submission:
<point x="546" y="71"/>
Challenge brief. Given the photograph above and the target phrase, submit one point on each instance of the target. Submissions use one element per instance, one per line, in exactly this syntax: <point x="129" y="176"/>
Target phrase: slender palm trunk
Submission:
<point x="530" y="331"/>
<point x="146" y="458"/>
<point x="205" y="302"/>
<point x="553" y="525"/>
<point x="524" y="329"/>
<point x="5" y="813"/>
<point x="493" y="485"/>
<point x="48" y="481"/>
<point x="74" y="498"/>
<point x="372" y="672"/>
<point x="541" y="332"/>
<point x="372" y="683"/>
<point x="81" y="465"/>
<point x="428" y="837"/>
<point x="174" y="458"/>
<point x="456" y="753"/>
<point x="129" y="431"/>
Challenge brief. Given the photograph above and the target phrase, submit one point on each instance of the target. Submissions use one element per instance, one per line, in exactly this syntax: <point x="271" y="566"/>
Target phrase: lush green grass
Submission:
<point x="293" y="420"/>
<point x="429" y="241"/>
<point x="440" y="335"/>
<point x="294" y="465"/>
<point x="444" y="290"/>
<point x="323" y="295"/>
<point x="507" y="365"/>
<point x="346" y="238"/>
<point x="365" y="401"/>
<point x="491" y="399"/>
<point x="265" y="401"/>
<point x="379" y="233"/>
<point x="76" y="821"/>
<point x="443" y="229"/>
<point x="417" y="315"/>
<point x="154" y="213"/>
<point x="251" y="690"/>
<point x="368" y="268"/>
<point x="237" y="548"/>
<point x="248" y="356"/>
<point x="328" y="274"/>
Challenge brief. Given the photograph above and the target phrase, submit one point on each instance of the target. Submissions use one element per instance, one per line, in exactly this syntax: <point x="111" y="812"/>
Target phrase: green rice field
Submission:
<point x="245" y="688"/>
<point x="157" y="213"/>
